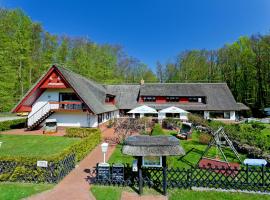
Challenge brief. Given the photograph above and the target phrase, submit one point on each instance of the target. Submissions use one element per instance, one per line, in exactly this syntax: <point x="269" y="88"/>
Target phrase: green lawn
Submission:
<point x="192" y="148"/>
<point x="13" y="191"/>
<point x="114" y="193"/>
<point x="33" y="145"/>
<point x="266" y="131"/>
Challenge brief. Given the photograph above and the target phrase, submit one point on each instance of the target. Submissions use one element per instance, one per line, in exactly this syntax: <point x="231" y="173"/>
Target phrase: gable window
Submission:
<point x="68" y="97"/>
<point x="149" y="99"/>
<point x="172" y="99"/>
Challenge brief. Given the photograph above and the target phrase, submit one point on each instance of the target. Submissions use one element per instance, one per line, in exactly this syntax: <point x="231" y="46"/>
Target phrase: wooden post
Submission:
<point x="164" y="177"/>
<point x="263" y="181"/>
<point x="140" y="175"/>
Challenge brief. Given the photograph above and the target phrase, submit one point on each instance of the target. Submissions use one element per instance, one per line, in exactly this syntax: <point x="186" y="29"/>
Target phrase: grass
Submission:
<point x="13" y="191"/>
<point x="7" y="114"/>
<point x="266" y="130"/>
<point x="114" y="193"/>
<point x="33" y="145"/>
<point x="192" y="148"/>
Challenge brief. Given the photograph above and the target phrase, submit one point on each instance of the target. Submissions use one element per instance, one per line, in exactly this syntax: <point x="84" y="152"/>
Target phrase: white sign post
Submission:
<point x="104" y="149"/>
<point x="42" y="163"/>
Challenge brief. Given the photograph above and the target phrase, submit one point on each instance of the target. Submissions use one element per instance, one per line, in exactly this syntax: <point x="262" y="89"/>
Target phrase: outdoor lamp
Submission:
<point x="104" y="149"/>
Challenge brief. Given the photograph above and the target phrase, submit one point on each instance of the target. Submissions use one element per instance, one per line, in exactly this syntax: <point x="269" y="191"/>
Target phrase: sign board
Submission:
<point x="152" y="161"/>
<point x="103" y="171"/>
<point x="118" y="172"/>
<point x="42" y="163"/>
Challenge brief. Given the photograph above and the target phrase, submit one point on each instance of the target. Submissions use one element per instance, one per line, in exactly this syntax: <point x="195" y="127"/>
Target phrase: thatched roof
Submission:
<point x="143" y="145"/>
<point x="126" y="95"/>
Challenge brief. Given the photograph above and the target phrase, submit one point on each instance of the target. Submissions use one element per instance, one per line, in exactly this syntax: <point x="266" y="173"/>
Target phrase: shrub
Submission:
<point x="12" y="124"/>
<point x="80" y="132"/>
<point x="204" y="138"/>
<point x="197" y="120"/>
<point x="171" y="123"/>
<point x="157" y="130"/>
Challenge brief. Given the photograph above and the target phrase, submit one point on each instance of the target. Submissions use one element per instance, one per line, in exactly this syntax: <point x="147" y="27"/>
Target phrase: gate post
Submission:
<point x="140" y="175"/>
<point x="164" y="177"/>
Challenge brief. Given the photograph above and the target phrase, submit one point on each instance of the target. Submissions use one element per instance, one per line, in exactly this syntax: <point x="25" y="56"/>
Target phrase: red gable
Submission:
<point x="52" y="79"/>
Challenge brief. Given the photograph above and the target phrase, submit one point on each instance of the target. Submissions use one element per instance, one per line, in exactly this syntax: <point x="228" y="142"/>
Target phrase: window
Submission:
<point x="149" y="99"/>
<point x="172" y="99"/>
<point x="152" y="161"/>
<point x="109" y="99"/>
<point x="193" y="99"/>
<point x="99" y="118"/>
<point x="68" y="97"/>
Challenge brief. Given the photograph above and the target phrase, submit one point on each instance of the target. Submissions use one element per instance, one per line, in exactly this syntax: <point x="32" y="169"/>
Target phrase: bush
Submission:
<point x="59" y="165"/>
<point x="171" y="123"/>
<point x="80" y="132"/>
<point x="157" y="130"/>
<point x="12" y="124"/>
<point x="204" y="138"/>
<point x="197" y="120"/>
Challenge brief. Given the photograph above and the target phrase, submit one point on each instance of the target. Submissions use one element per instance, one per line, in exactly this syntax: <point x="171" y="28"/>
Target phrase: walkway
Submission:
<point x="60" y="132"/>
<point x="75" y="185"/>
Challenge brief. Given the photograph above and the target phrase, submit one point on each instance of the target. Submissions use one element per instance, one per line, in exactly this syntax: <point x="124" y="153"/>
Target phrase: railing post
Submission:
<point x="164" y="177"/>
<point x="247" y="174"/>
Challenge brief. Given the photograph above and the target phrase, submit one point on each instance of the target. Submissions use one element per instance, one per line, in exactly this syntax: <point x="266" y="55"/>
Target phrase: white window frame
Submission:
<point x="146" y="165"/>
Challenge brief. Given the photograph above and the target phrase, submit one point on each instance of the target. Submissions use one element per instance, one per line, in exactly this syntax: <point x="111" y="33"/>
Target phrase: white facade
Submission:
<point x="68" y="118"/>
<point x="75" y="119"/>
<point x="46" y="96"/>
<point x="231" y="114"/>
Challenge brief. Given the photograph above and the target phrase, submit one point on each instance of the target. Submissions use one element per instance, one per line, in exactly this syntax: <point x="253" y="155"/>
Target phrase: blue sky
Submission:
<point x="151" y="30"/>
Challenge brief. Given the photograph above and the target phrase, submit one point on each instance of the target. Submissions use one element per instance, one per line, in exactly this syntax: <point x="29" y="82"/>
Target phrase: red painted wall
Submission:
<point x="160" y="99"/>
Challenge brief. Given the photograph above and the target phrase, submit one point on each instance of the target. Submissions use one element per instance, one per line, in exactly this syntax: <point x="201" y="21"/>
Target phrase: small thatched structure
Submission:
<point x="152" y="146"/>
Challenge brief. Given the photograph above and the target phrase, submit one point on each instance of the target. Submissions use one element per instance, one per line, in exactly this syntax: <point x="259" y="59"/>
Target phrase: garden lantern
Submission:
<point x="104" y="149"/>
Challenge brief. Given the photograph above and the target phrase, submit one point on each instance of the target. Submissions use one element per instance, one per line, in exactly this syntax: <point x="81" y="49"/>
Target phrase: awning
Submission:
<point x="143" y="110"/>
<point x="173" y="109"/>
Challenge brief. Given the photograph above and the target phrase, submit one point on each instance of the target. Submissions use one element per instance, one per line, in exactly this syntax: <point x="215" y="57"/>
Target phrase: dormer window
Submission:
<point x="109" y="99"/>
<point x="149" y="99"/>
<point x="172" y="99"/>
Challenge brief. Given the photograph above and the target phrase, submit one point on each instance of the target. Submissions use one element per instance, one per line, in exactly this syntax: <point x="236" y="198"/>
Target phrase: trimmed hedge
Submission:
<point x="59" y="165"/>
<point x="88" y="143"/>
<point x="12" y="124"/>
<point x="80" y="132"/>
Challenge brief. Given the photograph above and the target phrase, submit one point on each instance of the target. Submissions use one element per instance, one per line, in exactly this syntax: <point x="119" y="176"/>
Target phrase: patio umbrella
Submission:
<point x="143" y="110"/>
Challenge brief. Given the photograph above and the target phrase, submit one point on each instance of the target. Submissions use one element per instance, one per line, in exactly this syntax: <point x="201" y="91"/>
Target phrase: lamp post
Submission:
<point x="104" y="149"/>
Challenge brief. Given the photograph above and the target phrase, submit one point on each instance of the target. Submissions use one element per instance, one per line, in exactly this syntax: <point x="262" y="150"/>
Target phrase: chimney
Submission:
<point x="142" y="82"/>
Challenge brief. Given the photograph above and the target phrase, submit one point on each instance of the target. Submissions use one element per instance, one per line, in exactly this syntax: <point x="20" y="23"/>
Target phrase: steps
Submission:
<point x="39" y="116"/>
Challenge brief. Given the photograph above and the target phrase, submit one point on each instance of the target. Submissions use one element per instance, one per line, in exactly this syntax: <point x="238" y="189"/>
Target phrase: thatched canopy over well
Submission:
<point x="152" y="146"/>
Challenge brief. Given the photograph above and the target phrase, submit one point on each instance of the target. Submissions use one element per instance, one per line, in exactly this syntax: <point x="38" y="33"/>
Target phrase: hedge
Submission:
<point x="59" y="165"/>
<point x="12" y="124"/>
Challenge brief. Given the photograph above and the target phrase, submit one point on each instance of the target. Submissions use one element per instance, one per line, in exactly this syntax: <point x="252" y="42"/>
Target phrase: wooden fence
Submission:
<point x="256" y="179"/>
